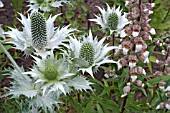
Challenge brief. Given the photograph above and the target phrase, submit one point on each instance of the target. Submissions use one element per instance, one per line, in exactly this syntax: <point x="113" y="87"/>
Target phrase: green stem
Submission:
<point x="10" y="58"/>
<point x="71" y="67"/>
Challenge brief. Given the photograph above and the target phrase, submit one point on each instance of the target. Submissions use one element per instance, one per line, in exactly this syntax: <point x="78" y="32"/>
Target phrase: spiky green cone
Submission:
<point x="113" y="21"/>
<point x="38" y="30"/>
<point x="87" y="53"/>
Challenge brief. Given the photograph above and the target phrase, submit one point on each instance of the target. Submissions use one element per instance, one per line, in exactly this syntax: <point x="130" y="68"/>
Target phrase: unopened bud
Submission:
<point x="161" y="105"/>
<point x="139" y="83"/>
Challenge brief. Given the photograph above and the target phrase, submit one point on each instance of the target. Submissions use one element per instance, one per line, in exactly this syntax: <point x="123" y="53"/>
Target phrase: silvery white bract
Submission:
<point x="1" y="4"/>
<point x="39" y="34"/>
<point x="54" y="76"/>
<point x="89" y="52"/>
<point x="2" y="32"/>
<point x="22" y="85"/>
<point x="46" y="102"/>
<point x="112" y="19"/>
<point x="44" y="5"/>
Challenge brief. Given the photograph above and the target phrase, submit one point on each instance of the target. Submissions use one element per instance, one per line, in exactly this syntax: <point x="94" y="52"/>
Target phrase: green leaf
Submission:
<point x="75" y="104"/>
<point x="83" y="15"/>
<point x="163" y="25"/>
<point x="157" y="80"/>
<point x="151" y="49"/>
<point x="150" y="66"/>
<point x="153" y="59"/>
<point x="89" y="107"/>
<point x="70" y="14"/>
<point x="99" y="109"/>
<point x="108" y="104"/>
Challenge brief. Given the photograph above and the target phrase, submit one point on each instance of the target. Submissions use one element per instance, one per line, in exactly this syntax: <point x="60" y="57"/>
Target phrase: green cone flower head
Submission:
<point x="38" y="30"/>
<point x="112" y="19"/>
<point x="52" y="73"/>
<point x="88" y="52"/>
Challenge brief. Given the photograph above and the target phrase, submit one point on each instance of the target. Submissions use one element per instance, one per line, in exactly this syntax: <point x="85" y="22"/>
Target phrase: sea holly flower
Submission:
<point x="54" y="76"/>
<point x="44" y="5"/>
<point x="39" y="34"/>
<point x="23" y="85"/>
<point x="1" y="4"/>
<point x="88" y="52"/>
<point x="112" y="19"/>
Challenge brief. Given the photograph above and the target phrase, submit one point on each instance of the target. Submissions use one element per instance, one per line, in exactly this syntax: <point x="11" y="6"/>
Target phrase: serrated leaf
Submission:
<point x="44" y="102"/>
<point x="80" y="83"/>
<point x="22" y="85"/>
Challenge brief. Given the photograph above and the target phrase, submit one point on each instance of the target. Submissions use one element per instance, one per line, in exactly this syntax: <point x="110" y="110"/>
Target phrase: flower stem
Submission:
<point x="10" y="58"/>
<point x="71" y="67"/>
<point x="113" y="39"/>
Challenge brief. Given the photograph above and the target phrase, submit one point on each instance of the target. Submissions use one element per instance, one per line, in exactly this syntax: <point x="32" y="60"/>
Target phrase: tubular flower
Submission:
<point x="112" y="19"/>
<point x="39" y="34"/>
<point x="44" y="5"/>
<point x="53" y="74"/>
<point x="89" y="53"/>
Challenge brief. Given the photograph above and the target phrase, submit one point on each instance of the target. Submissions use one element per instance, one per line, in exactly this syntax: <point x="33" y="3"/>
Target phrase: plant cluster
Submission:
<point x="112" y="74"/>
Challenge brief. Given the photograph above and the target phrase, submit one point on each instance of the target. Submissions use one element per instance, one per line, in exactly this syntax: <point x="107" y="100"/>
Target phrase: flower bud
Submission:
<point x="168" y="94"/>
<point x="126" y="90"/>
<point x="162" y="85"/>
<point x="161" y="105"/>
<point x="133" y="78"/>
<point x="139" y="83"/>
<point x="167" y="105"/>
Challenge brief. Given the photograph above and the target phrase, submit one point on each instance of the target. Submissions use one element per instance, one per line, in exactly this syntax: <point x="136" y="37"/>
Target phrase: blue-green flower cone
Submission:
<point x="38" y="30"/>
<point x="87" y="53"/>
<point x="113" y="21"/>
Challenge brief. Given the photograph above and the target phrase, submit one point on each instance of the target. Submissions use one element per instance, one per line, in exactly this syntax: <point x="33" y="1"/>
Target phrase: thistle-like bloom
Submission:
<point x="54" y="76"/>
<point x="44" y="5"/>
<point x="89" y="53"/>
<point x="23" y="85"/>
<point x="112" y="19"/>
<point x="39" y="34"/>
